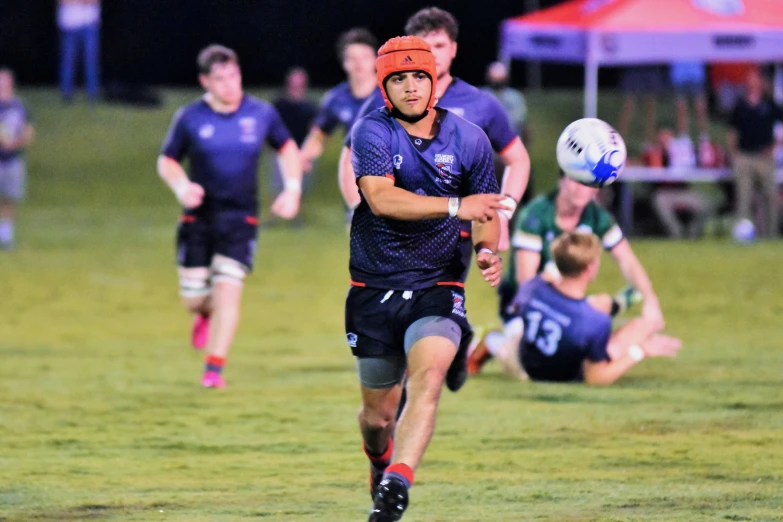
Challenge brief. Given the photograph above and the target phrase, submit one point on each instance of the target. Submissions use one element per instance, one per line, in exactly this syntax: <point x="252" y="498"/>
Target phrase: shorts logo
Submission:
<point x="206" y="131"/>
<point x="444" y="162"/>
<point x="352" y="338"/>
<point x="397" y="159"/>
<point x="247" y="127"/>
<point x="458" y="304"/>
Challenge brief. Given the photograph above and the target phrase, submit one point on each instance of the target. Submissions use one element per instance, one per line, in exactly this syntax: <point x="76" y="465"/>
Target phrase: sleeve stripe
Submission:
<point x="507" y="147"/>
<point x="527" y="242"/>
<point x="612" y="237"/>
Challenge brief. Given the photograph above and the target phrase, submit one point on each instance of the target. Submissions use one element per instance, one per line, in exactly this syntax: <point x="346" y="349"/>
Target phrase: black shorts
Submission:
<point x="230" y="234"/>
<point x="376" y="322"/>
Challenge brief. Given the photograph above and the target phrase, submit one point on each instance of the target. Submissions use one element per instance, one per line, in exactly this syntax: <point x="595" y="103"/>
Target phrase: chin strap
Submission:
<point x="395" y="112"/>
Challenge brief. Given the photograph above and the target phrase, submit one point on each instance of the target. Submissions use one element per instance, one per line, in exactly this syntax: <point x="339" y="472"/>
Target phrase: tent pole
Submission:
<point x="591" y="88"/>
<point x="591" y="76"/>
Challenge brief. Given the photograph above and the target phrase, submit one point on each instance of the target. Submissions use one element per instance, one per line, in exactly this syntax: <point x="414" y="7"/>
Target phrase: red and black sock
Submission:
<point x="380" y="460"/>
<point x="215" y="364"/>
<point x="402" y="472"/>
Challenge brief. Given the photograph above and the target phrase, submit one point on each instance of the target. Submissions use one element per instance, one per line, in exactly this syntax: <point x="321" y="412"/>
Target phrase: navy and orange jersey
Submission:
<point x="340" y="108"/>
<point x="466" y="101"/>
<point x="560" y="332"/>
<point x="411" y="255"/>
<point x="223" y="151"/>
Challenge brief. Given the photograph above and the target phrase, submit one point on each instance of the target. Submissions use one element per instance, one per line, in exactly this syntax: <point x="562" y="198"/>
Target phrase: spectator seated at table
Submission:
<point x="675" y="201"/>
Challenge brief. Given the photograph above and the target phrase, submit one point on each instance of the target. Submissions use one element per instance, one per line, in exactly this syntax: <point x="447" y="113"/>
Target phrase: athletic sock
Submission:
<point x="214" y="364"/>
<point x="494" y="341"/>
<point x="402" y="472"/>
<point x="380" y="460"/>
<point x="623" y="300"/>
<point x="6" y="231"/>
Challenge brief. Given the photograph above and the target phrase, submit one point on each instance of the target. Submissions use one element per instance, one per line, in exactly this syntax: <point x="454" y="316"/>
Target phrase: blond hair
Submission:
<point x="574" y="251"/>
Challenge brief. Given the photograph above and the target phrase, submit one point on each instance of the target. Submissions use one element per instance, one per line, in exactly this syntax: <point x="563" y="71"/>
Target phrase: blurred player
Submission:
<point x="16" y="133"/>
<point x="558" y="336"/>
<point x="340" y="106"/>
<point x="221" y="135"/>
<point x="420" y="170"/>
<point x="440" y="29"/>
<point x="570" y="208"/>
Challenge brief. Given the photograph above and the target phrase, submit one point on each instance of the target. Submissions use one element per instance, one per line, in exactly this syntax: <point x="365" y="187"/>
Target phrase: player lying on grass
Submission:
<point x="571" y="207"/>
<point x="556" y="334"/>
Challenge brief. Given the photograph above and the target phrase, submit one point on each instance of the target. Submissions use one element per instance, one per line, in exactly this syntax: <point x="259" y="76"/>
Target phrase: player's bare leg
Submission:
<point x="7" y="213"/>
<point x="226" y="298"/>
<point x="428" y="361"/>
<point x="377" y="421"/>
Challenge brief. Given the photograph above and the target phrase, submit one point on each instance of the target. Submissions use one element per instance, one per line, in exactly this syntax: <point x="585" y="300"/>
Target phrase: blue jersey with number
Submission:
<point x="410" y="255"/>
<point x="340" y="108"/>
<point x="466" y="101"/>
<point x="560" y="332"/>
<point x="223" y="151"/>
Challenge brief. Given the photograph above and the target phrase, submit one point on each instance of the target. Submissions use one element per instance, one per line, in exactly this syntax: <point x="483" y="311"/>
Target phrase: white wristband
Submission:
<point x="454" y="204"/>
<point x="294" y="185"/>
<point x="485" y="251"/>
<point x="636" y="352"/>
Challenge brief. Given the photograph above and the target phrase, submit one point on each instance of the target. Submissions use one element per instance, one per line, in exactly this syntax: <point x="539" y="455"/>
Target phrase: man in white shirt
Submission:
<point x="79" y="24"/>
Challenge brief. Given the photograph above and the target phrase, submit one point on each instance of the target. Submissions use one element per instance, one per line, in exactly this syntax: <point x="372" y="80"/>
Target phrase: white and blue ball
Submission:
<point x="744" y="231"/>
<point x="591" y="152"/>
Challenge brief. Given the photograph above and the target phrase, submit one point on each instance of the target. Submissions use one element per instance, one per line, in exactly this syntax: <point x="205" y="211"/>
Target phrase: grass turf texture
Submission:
<point x="102" y="417"/>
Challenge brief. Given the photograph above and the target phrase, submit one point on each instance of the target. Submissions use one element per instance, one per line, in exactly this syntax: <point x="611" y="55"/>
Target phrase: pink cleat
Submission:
<point x="200" y="334"/>
<point x="213" y="380"/>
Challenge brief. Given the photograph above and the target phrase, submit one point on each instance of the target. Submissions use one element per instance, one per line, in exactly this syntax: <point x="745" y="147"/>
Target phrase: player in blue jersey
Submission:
<point x="221" y="136"/>
<point x="16" y="133"/>
<point x="559" y="336"/>
<point x="420" y="170"/>
<point x="340" y="105"/>
<point x="439" y="28"/>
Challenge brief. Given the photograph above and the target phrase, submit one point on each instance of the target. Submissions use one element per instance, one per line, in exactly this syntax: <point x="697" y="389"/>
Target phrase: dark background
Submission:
<point x="156" y="41"/>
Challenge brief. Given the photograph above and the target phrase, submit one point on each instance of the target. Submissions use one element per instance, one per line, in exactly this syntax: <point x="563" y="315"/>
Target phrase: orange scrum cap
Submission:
<point x="405" y="53"/>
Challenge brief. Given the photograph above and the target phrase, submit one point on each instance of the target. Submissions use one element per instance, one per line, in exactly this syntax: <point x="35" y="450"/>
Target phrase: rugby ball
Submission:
<point x="591" y="152"/>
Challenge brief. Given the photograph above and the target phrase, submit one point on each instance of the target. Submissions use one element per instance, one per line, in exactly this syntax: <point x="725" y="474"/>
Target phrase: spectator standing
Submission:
<point x="79" y="23"/>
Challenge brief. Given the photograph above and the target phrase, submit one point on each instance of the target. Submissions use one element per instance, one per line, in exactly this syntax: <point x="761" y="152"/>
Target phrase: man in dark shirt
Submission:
<point x="751" y="142"/>
<point x="297" y="113"/>
<point x="420" y="171"/>
<point x="221" y="136"/>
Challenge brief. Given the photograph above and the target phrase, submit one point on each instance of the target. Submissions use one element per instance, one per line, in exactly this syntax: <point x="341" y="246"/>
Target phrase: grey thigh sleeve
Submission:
<point x="433" y="325"/>
<point x="381" y="372"/>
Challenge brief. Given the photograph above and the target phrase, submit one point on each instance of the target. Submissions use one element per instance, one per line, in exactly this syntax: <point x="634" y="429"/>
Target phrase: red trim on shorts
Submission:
<point x="355" y="283"/>
<point x="251" y="220"/>
<point x="187" y="219"/>
<point x="451" y="283"/>
<point x="464" y="233"/>
<point x="508" y="146"/>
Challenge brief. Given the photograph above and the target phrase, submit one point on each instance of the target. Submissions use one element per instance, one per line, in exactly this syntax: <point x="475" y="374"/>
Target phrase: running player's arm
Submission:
<point x="372" y="161"/>
<point x="174" y="149"/>
<point x="325" y="123"/>
<point x="527" y="241"/>
<point x="507" y="143"/>
<point x="286" y="205"/>
<point x="346" y="179"/>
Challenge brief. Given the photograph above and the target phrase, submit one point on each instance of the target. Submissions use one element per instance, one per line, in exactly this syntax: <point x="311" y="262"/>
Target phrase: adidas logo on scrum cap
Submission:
<point x="407" y="61"/>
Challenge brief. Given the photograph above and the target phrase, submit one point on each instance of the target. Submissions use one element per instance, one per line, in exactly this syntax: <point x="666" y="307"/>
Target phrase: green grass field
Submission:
<point x="102" y="416"/>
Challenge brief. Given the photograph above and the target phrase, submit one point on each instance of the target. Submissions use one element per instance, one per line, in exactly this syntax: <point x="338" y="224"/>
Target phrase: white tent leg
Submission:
<point x="591" y="88"/>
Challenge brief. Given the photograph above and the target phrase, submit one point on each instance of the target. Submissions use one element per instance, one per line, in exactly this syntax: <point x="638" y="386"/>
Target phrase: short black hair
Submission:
<point x="357" y="35"/>
<point x="213" y="54"/>
<point x="432" y="19"/>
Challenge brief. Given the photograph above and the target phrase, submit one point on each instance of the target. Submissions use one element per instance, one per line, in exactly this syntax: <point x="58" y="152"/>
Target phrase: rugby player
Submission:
<point x="557" y="335"/>
<point x="420" y="170"/>
<point x="221" y="136"/>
